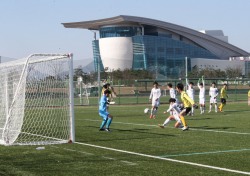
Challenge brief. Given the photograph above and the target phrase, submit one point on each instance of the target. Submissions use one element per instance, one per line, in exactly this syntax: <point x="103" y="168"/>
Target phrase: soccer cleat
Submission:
<point x="185" y="128"/>
<point x="209" y="111"/>
<point x="107" y="129"/>
<point x="161" y="126"/>
<point x="102" y="129"/>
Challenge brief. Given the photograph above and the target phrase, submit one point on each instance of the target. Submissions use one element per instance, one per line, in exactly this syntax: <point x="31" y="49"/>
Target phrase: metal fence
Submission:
<point x="138" y="91"/>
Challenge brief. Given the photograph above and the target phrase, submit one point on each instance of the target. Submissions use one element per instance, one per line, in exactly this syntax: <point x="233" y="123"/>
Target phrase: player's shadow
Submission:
<point x="149" y="135"/>
<point x="212" y="128"/>
<point x="138" y="130"/>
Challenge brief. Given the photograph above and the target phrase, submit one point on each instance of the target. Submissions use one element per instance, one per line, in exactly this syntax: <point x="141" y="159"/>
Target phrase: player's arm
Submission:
<point x="203" y="81"/>
<point x="170" y="108"/>
<point x="159" y="94"/>
<point x="198" y="83"/>
<point x="216" y="93"/>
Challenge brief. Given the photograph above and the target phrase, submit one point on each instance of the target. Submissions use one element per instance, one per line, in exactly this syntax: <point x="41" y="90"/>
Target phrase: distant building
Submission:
<point x="127" y="42"/>
<point x="216" y="34"/>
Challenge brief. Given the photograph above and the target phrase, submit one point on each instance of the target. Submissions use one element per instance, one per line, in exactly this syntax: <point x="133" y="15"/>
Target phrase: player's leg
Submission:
<point x="165" y="122"/>
<point x="155" y="112"/>
<point x="178" y="121"/>
<point x="223" y="102"/>
<point x="215" y="107"/>
<point x="156" y="105"/>
<point x="109" y="121"/>
<point x="182" y="114"/>
<point x="104" y="116"/>
<point x="211" y="104"/>
<point x="152" y="109"/>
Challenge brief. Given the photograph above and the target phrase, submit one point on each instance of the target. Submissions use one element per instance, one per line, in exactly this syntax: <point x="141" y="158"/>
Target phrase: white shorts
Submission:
<point x="176" y="117"/>
<point x="155" y="103"/>
<point x="201" y="100"/>
<point x="213" y="100"/>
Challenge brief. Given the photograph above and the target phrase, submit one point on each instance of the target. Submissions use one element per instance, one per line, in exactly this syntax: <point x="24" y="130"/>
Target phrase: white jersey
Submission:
<point x="155" y="96"/>
<point x="175" y="108"/>
<point x="172" y="93"/>
<point x="190" y="92"/>
<point x="176" y="111"/>
<point x="202" y="91"/>
<point x="213" y="92"/>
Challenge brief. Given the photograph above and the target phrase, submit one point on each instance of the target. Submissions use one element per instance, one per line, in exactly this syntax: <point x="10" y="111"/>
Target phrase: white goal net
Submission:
<point x="36" y="101"/>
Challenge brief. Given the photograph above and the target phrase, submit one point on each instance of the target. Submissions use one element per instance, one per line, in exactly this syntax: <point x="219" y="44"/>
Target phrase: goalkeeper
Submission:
<point x="107" y="118"/>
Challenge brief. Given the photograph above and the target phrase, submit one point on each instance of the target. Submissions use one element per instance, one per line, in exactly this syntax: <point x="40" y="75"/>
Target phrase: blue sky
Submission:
<point x="34" y="26"/>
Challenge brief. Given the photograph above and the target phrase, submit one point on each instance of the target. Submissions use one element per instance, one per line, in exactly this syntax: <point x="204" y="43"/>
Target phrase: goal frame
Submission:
<point x="71" y="129"/>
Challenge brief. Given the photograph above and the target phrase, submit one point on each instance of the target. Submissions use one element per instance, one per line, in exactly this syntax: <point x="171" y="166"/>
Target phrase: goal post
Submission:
<point x="37" y="100"/>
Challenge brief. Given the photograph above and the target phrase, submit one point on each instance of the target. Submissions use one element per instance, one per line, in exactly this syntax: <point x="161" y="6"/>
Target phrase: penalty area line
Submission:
<point x="166" y="159"/>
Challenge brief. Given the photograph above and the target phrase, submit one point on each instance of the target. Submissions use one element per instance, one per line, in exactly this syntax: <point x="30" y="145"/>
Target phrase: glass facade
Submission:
<point x="119" y="31"/>
<point x="165" y="55"/>
<point x="96" y="53"/>
<point x="157" y="53"/>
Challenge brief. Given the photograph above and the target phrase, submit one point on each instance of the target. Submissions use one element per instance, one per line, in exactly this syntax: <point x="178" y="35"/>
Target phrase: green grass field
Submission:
<point x="216" y="144"/>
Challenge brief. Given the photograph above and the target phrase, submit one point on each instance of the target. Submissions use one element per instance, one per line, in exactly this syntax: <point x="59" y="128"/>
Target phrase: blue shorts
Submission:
<point x="103" y="114"/>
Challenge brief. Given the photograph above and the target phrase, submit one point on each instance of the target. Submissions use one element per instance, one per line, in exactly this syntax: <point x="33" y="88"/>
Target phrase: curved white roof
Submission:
<point x="221" y="49"/>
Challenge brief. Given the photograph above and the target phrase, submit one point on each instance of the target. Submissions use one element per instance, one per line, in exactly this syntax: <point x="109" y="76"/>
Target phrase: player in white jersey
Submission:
<point x="172" y="94"/>
<point x="213" y="93"/>
<point x="190" y="92"/>
<point x="202" y="94"/>
<point x="174" y="107"/>
<point x="155" y="99"/>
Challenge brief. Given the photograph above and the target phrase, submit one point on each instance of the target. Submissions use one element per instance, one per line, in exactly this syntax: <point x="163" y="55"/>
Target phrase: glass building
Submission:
<point x="128" y="42"/>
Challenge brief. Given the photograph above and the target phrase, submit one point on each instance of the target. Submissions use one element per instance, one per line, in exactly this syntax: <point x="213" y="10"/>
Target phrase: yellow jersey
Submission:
<point x="187" y="101"/>
<point x="223" y="93"/>
<point x="249" y="93"/>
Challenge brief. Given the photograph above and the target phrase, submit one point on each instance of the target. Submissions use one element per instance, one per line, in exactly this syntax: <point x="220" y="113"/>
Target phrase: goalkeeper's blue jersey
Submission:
<point x="103" y="103"/>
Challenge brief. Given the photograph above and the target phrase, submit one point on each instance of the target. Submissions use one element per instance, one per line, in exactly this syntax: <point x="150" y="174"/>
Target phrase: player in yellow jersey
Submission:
<point x="187" y="103"/>
<point x="223" y="96"/>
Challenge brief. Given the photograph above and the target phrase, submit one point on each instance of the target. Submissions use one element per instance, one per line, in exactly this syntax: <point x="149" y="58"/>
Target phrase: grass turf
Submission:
<point x="214" y="139"/>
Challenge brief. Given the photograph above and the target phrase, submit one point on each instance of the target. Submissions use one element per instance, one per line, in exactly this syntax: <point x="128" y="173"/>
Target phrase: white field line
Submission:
<point x="167" y="159"/>
<point x="136" y="124"/>
<point x="205" y="153"/>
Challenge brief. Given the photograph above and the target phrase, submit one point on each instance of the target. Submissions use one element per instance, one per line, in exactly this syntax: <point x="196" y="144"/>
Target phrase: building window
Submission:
<point x="120" y="31"/>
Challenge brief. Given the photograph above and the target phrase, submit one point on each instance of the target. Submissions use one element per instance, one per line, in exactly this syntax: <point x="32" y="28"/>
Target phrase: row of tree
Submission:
<point x="230" y="73"/>
<point x="130" y="74"/>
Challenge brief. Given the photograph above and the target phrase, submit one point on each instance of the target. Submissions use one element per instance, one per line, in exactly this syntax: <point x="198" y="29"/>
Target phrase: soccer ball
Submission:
<point x="146" y="110"/>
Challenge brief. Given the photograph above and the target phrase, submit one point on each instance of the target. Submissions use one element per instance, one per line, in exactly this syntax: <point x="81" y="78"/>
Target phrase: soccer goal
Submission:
<point x="36" y="100"/>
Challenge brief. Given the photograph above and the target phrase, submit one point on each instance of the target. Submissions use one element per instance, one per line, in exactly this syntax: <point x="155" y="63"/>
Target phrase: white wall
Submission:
<point x="116" y="52"/>
<point x="217" y="64"/>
